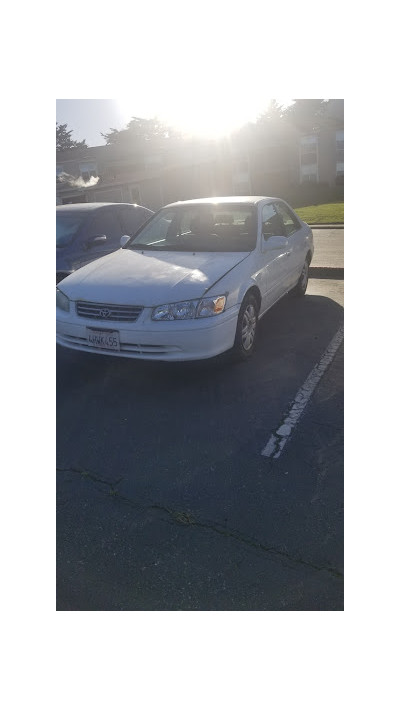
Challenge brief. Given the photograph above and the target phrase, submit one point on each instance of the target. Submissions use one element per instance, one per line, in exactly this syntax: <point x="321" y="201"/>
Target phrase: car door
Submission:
<point x="103" y="224"/>
<point x="272" y="257"/>
<point x="297" y="247"/>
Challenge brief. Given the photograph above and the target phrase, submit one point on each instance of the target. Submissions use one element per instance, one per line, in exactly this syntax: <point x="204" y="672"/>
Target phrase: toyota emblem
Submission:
<point x="105" y="313"/>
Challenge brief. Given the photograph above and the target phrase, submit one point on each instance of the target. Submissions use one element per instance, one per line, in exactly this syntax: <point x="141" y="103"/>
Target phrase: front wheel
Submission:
<point x="246" y="328"/>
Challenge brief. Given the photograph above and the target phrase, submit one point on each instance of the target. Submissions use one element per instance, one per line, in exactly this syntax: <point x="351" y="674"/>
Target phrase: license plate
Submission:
<point x="108" y="340"/>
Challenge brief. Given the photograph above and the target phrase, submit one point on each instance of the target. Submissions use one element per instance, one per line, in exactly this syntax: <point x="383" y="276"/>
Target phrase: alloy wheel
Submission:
<point x="249" y="323"/>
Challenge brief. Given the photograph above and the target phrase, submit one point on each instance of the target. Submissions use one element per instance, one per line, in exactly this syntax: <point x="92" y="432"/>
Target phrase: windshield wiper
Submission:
<point x="147" y="247"/>
<point x="160" y="247"/>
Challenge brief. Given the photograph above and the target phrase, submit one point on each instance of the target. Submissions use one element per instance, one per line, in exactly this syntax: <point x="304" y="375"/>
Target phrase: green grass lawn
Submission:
<point x="322" y="214"/>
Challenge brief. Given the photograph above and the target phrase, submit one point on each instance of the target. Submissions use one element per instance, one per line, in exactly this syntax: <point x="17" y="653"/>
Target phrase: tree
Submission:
<point x="64" y="140"/>
<point x="273" y="113"/>
<point x="307" y="115"/>
<point x="268" y="126"/>
<point x="139" y="130"/>
<point x="304" y="115"/>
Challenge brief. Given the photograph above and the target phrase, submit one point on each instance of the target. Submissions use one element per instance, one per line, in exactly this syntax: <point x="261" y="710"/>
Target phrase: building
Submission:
<point x="321" y="153"/>
<point x="152" y="175"/>
<point x="162" y="170"/>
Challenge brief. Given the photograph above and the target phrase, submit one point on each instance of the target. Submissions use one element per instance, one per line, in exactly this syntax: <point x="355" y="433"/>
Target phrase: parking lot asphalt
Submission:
<point x="164" y="499"/>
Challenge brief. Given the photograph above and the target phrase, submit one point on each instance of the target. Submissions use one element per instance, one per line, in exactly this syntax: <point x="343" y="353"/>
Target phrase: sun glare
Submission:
<point x="215" y="113"/>
<point x="206" y="120"/>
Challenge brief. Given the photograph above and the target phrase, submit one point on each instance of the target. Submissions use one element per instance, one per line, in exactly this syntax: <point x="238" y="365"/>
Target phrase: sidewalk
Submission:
<point x="328" y="259"/>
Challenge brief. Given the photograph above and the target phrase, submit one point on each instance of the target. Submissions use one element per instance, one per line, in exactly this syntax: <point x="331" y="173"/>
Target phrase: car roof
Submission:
<point x="237" y="199"/>
<point x="88" y="206"/>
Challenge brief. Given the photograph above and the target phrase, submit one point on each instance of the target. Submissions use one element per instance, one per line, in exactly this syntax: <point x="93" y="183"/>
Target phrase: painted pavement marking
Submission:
<point x="281" y="436"/>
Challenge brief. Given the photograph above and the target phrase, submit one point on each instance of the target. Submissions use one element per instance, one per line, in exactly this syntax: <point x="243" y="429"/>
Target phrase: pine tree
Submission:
<point x="64" y="140"/>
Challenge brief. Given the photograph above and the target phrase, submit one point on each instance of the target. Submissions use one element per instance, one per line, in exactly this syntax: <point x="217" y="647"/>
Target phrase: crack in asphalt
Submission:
<point x="187" y="519"/>
<point x="86" y="473"/>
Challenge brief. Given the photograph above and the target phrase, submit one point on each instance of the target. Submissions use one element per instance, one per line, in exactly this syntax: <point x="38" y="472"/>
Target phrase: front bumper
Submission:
<point x="194" y="339"/>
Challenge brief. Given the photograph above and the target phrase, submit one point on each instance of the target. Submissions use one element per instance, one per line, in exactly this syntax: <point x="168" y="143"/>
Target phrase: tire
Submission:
<point x="301" y="286"/>
<point x="246" y="328"/>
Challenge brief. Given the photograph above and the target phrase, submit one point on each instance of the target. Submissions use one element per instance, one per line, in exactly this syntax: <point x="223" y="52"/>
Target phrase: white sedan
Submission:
<point x="192" y="283"/>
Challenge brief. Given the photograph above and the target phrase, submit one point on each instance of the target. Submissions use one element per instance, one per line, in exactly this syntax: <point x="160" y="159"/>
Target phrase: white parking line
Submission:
<point x="280" y="437"/>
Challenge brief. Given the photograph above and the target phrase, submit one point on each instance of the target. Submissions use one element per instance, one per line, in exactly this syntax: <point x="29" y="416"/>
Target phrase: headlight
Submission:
<point x="62" y="301"/>
<point x="211" y="306"/>
<point x="200" y="308"/>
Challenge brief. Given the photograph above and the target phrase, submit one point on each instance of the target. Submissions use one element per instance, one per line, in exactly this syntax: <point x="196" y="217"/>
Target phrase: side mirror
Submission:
<point x="124" y="239"/>
<point x="96" y="239"/>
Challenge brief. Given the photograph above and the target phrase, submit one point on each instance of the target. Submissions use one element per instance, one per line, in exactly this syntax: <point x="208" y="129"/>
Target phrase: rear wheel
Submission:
<point x="246" y="328"/>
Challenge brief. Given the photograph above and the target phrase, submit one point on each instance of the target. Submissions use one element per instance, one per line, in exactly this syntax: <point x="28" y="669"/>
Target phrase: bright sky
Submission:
<point x="215" y="116"/>
<point x="205" y="70"/>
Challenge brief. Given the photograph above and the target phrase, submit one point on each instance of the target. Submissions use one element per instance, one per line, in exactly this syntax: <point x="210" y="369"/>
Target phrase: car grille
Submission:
<point x="108" y="312"/>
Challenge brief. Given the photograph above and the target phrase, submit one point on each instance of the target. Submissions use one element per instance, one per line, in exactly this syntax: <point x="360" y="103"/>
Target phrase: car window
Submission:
<point x="289" y="220"/>
<point x="67" y="227"/>
<point x="200" y="228"/>
<point x="157" y="229"/>
<point x="271" y="221"/>
<point x="132" y="219"/>
<point x="105" y="223"/>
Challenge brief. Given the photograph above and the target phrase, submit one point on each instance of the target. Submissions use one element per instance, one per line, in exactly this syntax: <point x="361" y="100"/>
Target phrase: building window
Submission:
<point x="309" y="159"/>
<point x="135" y="195"/>
<point x="339" y="157"/>
<point x="108" y="196"/>
<point x="309" y="173"/>
<point x="308" y="148"/>
<point x="240" y="175"/>
<point x="311" y="178"/>
<point x="340" y="140"/>
<point x="88" y="170"/>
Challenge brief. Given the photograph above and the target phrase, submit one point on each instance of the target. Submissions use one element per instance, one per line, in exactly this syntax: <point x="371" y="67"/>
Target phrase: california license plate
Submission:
<point x="108" y="340"/>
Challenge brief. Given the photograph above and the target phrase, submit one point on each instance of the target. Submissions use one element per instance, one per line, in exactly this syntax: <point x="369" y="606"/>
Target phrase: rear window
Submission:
<point x="67" y="227"/>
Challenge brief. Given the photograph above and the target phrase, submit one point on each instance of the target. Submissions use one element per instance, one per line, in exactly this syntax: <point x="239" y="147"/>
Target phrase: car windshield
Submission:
<point x="66" y="228"/>
<point x="213" y="227"/>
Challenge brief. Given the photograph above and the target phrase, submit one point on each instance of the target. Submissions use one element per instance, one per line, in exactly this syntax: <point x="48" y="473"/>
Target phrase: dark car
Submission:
<point x="88" y="231"/>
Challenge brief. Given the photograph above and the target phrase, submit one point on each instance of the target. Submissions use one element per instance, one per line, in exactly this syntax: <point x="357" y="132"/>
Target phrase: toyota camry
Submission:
<point x="192" y="283"/>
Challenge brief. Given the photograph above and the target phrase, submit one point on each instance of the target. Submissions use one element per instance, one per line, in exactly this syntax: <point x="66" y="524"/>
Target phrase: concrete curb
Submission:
<point x="326" y="272"/>
<point x="325" y="227"/>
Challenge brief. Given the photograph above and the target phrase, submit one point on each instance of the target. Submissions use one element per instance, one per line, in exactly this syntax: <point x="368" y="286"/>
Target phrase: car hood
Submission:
<point x="149" y="278"/>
